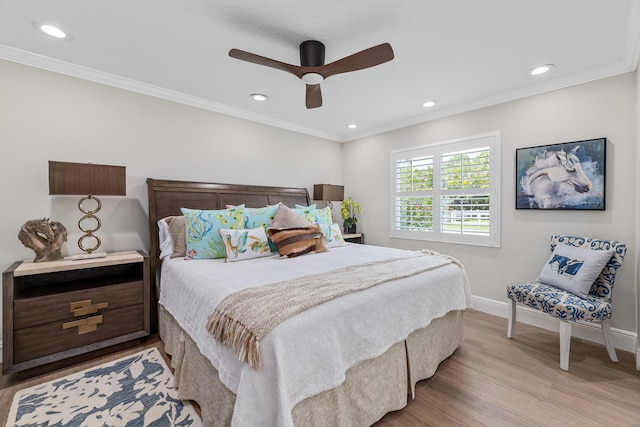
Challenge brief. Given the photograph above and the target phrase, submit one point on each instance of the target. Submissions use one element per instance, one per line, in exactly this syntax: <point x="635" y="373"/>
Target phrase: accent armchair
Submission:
<point x="576" y="284"/>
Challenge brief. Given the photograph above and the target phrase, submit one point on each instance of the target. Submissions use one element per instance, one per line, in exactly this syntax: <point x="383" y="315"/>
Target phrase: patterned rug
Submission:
<point x="132" y="391"/>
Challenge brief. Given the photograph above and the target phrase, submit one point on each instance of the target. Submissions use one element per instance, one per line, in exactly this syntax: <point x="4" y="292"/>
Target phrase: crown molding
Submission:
<point x="508" y="96"/>
<point x="61" y="67"/>
<point x="629" y="63"/>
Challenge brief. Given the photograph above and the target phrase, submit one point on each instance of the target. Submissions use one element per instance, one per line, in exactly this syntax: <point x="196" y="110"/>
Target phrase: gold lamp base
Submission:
<point x="84" y="226"/>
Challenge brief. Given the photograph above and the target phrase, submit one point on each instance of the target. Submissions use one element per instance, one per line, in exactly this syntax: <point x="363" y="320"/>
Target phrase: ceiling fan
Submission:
<point x="312" y="69"/>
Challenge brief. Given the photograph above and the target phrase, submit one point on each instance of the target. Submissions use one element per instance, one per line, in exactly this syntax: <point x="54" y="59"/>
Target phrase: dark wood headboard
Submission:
<point x="167" y="197"/>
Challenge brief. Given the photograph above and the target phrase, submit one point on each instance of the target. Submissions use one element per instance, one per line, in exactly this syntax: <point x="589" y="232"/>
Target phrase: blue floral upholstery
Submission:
<point x="564" y="305"/>
<point x="559" y="303"/>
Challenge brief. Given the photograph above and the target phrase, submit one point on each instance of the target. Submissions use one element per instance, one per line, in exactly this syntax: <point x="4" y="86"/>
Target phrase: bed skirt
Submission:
<point x="370" y="390"/>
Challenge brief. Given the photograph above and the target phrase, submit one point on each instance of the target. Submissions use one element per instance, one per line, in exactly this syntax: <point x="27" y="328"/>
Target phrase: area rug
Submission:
<point x="136" y="390"/>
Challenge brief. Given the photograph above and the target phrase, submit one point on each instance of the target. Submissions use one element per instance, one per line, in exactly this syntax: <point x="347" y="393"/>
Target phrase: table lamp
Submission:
<point x="328" y="193"/>
<point x="88" y="180"/>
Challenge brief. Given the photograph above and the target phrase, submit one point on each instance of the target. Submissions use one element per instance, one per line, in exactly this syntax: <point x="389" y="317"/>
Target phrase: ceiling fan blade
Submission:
<point x="267" y="62"/>
<point x="314" y="96"/>
<point x="364" y="59"/>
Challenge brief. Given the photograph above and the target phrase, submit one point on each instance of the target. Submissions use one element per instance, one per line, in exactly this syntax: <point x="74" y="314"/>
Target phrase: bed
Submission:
<point x="323" y="366"/>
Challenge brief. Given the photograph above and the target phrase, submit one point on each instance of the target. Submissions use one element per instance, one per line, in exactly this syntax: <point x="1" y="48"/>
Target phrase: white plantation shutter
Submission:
<point x="447" y="192"/>
<point x="414" y="185"/>
<point x="465" y="199"/>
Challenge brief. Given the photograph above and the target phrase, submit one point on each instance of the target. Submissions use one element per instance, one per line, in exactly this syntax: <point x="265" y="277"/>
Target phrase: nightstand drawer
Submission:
<point x="49" y="308"/>
<point x="50" y="338"/>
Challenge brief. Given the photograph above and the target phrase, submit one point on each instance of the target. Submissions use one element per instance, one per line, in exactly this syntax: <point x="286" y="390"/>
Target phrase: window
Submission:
<point x="449" y="192"/>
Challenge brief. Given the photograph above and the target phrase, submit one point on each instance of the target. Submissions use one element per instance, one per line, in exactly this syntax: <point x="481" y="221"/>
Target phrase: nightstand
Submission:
<point x="354" y="238"/>
<point x="56" y="310"/>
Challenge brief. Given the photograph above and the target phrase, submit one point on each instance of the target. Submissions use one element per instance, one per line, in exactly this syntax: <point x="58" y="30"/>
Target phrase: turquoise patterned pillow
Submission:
<point x="307" y="212"/>
<point x="323" y="216"/>
<point x="256" y="217"/>
<point x="333" y="235"/>
<point x="320" y="216"/>
<point x="245" y="244"/>
<point x="203" y="238"/>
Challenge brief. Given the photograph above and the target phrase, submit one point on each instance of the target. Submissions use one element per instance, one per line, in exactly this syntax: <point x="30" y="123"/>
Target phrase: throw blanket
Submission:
<point x="245" y="317"/>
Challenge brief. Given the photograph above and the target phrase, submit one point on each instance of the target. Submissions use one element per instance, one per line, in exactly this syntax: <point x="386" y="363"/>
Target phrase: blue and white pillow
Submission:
<point x="307" y="212"/>
<point x="256" y="217"/>
<point x="261" y="217"/>
<point x="201" y="227"/>
<point x="574" y="269"/>
<point x="324" y="216"/>
<point x="333" y="235"/>
<point x="321" y="216"/>
<point x="245" y="243"/>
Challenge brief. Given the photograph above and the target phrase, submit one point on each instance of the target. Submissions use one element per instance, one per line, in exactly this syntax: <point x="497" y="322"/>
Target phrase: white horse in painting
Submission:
<point x="554" y="177"/>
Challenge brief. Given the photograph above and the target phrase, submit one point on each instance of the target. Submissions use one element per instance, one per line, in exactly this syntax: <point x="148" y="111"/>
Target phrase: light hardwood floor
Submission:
<point x="491" y="381"/>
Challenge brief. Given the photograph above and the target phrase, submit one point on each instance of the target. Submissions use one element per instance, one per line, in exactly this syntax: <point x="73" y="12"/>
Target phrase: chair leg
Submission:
<point x="512" y="319"/>
<point x="606" y="331"/>
<point x="565" y="345"/>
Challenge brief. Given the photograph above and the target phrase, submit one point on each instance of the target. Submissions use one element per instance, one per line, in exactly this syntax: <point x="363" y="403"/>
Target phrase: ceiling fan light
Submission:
<point x="312" y="78"/>
<point x="258" y="97"/>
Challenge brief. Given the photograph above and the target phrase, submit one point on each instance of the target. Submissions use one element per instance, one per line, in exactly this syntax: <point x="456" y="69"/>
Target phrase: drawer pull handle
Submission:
<point x="89" y="324"/>
<point x="82" y="308"/>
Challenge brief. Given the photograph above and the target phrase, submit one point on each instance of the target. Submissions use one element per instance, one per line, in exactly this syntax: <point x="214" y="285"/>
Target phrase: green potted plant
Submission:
<point x="348" y="210"/>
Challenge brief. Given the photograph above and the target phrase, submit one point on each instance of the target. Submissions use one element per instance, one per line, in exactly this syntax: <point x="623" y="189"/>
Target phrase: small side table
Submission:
<point x="54" y="311"/>
<point x="354" y="238"/>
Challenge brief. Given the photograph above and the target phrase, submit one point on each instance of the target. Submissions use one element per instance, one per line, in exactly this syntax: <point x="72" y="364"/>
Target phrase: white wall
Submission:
<point x="637" y="258"/>
<point x="46" y="116"/>
<point x="605" y="108"/>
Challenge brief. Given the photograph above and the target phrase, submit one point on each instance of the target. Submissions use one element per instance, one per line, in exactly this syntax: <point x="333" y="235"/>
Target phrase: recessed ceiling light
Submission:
<point x="540" y="69"/>
<point x="429" y="104"/>
<point x="53" y="31"/>
<point x="352" y="126"/>
<point x="258" y="97"/>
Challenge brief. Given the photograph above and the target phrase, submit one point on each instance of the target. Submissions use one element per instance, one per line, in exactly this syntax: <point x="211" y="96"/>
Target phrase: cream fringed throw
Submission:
<point x="245" y="317"/>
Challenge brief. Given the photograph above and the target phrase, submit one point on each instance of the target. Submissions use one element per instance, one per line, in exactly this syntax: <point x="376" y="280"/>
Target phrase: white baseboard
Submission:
<point x="623" y="340"/>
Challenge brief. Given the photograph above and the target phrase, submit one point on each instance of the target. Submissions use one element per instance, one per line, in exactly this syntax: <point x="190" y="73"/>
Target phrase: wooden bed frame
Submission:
<point x="166" y="197"/>
<point x="371" y="388"/>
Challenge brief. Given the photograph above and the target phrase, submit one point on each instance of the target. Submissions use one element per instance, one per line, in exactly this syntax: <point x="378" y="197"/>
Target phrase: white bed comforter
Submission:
<point x="310" y="352"/>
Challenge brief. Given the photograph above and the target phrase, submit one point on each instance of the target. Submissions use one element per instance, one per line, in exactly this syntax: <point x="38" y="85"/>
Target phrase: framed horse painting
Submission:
<point x="569" y="175"/>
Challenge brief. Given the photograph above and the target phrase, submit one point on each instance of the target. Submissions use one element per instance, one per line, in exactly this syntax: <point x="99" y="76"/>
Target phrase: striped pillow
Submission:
<point x="293" y="242"/>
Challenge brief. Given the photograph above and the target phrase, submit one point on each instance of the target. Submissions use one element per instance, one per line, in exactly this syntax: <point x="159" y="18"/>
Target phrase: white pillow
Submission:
<point x="574" y="269"/>
<point x="333" y="235"/>
<point x="166" y="246"/>
<point x="241" y="244"/>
